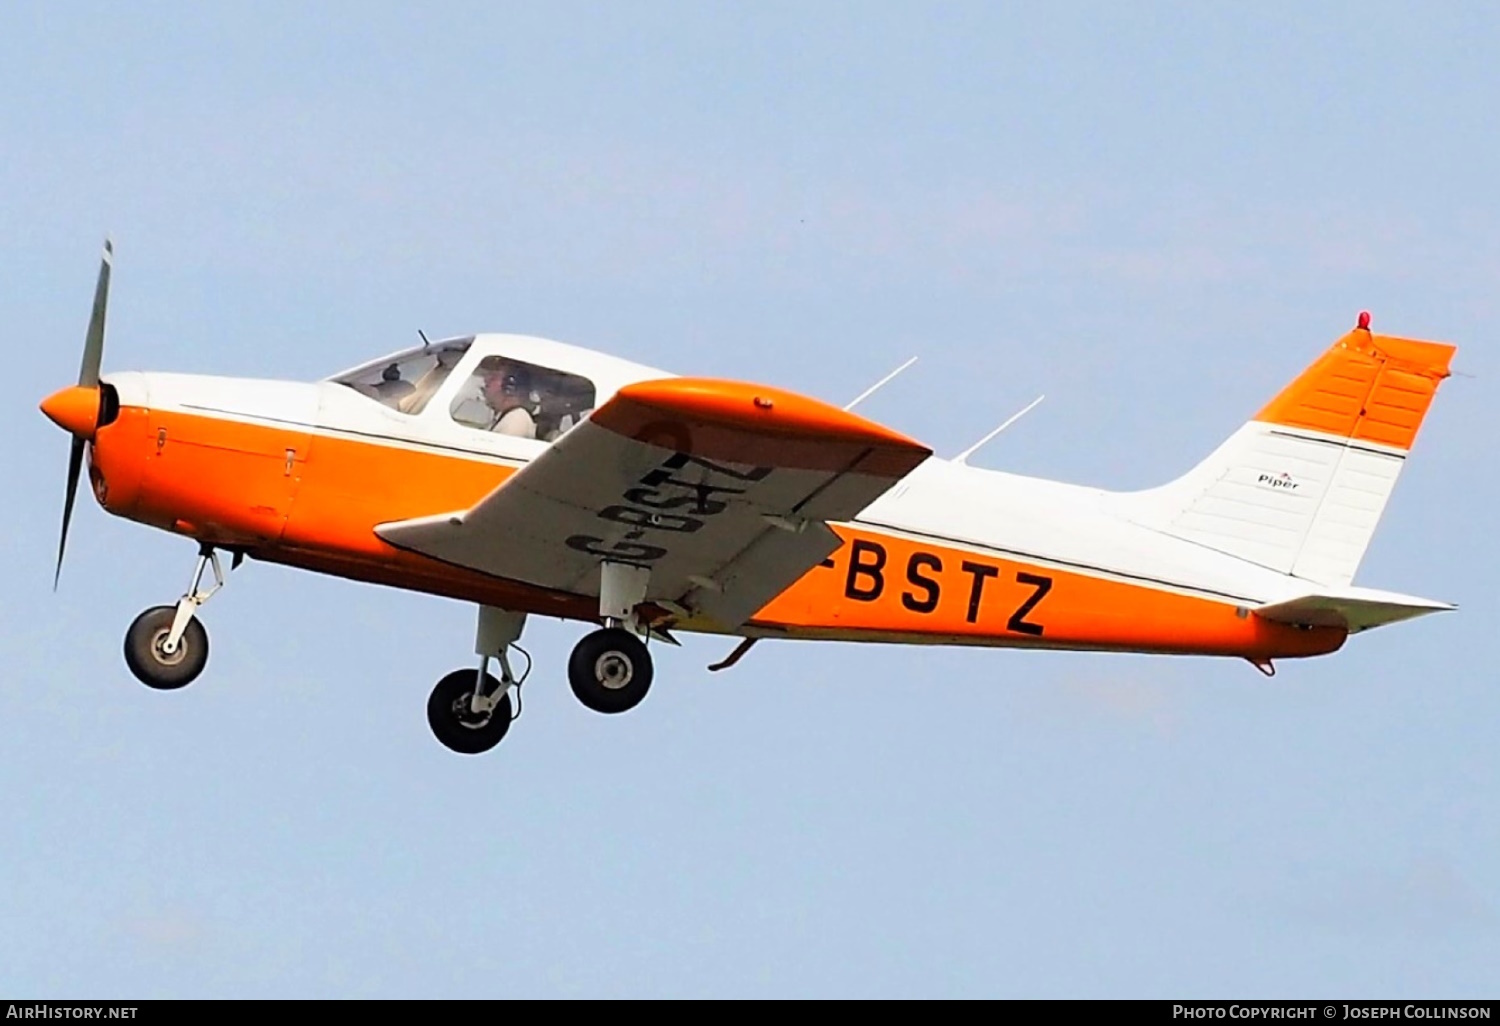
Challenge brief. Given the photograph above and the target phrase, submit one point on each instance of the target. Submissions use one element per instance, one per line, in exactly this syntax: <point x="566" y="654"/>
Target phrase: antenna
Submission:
<point x="963" y="457"/>
<point x="426" y="343"/>
<point x="879" y="385"/>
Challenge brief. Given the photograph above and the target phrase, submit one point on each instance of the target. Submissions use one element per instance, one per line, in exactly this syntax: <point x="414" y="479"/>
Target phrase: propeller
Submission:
<point x="88" y="378"/>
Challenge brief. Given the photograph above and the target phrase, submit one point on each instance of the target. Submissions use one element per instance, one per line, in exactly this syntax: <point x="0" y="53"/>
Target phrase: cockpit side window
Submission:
<point x="406" y="382"/>
<point x="511" y="397"/>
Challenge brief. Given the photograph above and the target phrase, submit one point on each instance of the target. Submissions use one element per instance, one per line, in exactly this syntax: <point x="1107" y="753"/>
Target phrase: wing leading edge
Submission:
<point x="723" y="489"/>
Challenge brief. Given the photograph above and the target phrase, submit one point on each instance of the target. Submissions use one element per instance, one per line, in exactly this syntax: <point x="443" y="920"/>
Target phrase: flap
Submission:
<point x="722" y="489"/>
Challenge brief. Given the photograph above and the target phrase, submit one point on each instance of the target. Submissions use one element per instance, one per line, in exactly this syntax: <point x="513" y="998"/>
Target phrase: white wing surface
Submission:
<point x="723" y="490"/>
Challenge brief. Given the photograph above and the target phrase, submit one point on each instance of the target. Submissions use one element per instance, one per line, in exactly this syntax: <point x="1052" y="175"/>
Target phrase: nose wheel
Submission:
<point x="158" y="664"/>
<point x="610" y="670"/>
<point x="166" y="647"/>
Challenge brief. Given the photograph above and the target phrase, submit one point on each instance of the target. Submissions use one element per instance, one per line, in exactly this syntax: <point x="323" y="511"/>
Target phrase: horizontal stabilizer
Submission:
<point x="1355" y="609"/>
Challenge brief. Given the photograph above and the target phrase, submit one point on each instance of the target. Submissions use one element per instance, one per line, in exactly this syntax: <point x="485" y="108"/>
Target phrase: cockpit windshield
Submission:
<point x="407" y="381"/>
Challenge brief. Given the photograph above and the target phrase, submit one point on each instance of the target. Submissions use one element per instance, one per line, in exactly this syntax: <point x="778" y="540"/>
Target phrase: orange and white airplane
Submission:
<point x="528" y="476"/>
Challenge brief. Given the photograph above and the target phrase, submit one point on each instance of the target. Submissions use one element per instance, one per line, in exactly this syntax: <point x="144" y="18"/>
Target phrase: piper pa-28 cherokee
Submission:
<point x="527" y="476"/>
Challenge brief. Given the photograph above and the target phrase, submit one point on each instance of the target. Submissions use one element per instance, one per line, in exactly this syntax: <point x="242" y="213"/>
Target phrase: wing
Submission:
<point x="723" y="490"/>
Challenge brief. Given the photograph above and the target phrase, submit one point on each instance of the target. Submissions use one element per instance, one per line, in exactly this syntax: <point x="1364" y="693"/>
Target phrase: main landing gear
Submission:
<point x="469" y="710"/>
<point x="610" y="670"/>
<point x="166" y="647"/>
<point x="467" y="722"/>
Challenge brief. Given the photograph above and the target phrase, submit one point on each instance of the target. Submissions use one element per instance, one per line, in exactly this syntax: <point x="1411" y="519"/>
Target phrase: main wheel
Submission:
<point x="152" y="665"/>
<point x="453" y="719"/>
<point x="610" y="670"/>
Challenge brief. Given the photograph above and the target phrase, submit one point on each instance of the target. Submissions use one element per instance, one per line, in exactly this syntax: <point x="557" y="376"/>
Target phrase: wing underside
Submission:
<point x="723" y="490"/>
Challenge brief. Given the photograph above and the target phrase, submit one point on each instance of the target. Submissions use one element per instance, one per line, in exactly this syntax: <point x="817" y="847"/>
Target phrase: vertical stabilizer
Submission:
<point x="1301" y="487"/>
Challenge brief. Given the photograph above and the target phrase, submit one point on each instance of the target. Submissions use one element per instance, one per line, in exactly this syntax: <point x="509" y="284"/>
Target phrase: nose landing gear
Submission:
<point x="166" y="647"/>
<point x="148" y="658"/>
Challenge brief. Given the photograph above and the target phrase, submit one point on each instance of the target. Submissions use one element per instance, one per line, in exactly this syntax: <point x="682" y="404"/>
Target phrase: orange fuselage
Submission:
<point x="312" y="499"/>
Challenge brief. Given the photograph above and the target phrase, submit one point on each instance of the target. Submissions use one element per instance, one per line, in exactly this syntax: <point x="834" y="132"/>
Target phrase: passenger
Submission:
<point x="507" y="391"/>
<point x="392" y="389"/>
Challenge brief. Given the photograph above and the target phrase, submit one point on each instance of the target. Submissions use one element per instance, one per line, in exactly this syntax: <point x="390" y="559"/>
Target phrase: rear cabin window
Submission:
<point x="405" y="383"/>
<point x="511" y="397"/>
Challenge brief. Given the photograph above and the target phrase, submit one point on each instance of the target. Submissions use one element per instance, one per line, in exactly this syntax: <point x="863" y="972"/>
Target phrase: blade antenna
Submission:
<point x="963" y="457"/>
<point x="426" y="342"/>
<point x="879" y="385"/>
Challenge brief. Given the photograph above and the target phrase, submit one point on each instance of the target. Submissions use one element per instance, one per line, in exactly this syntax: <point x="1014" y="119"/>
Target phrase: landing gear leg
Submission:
<point x="610" y="669"/>
<point x="469" y="711"/>
<point x="166" y="647"/>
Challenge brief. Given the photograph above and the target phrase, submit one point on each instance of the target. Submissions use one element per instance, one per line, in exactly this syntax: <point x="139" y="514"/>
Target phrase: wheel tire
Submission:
<point x="454" y="724"/>
<point x="610" y="670"/>
<point x="153" y="667"/>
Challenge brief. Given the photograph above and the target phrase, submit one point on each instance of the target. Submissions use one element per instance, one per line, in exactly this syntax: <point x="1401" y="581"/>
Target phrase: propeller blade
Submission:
<point x="93" y="342"/>
<point x="75" y="467"/>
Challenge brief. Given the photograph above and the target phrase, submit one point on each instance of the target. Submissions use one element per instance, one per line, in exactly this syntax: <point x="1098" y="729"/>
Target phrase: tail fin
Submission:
<point x="1301" y="487"/>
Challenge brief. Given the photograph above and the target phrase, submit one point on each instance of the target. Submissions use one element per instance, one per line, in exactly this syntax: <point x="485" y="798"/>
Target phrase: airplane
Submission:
<point x="527" y="476"/>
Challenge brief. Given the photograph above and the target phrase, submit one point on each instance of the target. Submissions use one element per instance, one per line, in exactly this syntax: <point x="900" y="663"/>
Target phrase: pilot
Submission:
<point x="507" y="389"/>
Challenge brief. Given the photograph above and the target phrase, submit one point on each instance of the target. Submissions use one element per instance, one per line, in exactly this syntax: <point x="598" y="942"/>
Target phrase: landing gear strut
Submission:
<point x="610" y="669"/>
<point x="166" y="647"/>
<point x="469" y="711"/>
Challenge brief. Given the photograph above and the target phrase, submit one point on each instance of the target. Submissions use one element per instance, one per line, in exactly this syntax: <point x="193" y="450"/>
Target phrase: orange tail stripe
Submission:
<point x="1373" y="388"/>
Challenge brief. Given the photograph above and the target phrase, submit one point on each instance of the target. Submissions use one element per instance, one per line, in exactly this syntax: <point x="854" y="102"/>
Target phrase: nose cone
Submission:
<point x="74" y="409"/>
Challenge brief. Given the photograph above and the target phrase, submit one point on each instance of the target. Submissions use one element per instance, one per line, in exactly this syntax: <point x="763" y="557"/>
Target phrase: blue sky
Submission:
<point x="1155" y="213"/>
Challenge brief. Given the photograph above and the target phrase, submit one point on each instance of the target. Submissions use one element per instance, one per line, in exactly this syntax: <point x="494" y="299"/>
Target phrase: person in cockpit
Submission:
<point x="393" y="388"/>
<point x="507" y="392"/>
